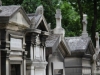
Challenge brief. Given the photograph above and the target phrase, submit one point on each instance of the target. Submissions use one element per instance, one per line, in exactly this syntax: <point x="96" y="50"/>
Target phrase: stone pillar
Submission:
<point x="7" y="64"/>
<point x="43" y="45"/>
<point x="94" y="65"/>
<point x="31" y="52"/>
<point x="44" y="54"/>
<point x="32" y="70"/>
<point x="43" y="39"/>
<point x="33" y="40"/>
<point x="84" y="33"/>
<point x="24" y="63"/>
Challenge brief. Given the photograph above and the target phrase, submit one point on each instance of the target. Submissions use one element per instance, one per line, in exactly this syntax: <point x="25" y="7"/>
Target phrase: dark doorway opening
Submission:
<point x="15" y="69"/>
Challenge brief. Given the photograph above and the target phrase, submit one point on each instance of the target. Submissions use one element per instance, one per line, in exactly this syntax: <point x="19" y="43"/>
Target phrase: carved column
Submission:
<point x="43" y="39"/>
<point x="7" y="63"/>
<point x="24" y="62"/>
<point x="33" y="41"/>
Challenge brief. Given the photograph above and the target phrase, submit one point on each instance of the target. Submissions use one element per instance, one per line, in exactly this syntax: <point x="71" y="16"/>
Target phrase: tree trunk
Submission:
<point x="94" y="23"/>
<point x="80" y="11"/>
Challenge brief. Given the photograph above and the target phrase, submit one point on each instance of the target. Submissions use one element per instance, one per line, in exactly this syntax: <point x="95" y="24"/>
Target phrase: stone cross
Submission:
<point x="97" y="40"/>
<point x="59" y="30"/>
<point x="84" y="21"/>
<point x="58" y="17"/>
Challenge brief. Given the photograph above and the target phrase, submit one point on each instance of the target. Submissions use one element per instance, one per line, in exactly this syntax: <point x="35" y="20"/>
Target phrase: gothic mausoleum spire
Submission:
<point x="84" y="21"/>
<point x="59" y="29"/>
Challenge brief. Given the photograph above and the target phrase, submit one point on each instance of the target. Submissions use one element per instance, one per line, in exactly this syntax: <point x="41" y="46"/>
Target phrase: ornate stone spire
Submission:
<point x="97" y="40"/>
<point x="84" y="33"/>
<point x="59" y="29"/>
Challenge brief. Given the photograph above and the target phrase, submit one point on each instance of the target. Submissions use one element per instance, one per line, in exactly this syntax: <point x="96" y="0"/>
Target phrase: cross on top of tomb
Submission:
<point x="84" y="21"/>
<point x="58" y="17"/>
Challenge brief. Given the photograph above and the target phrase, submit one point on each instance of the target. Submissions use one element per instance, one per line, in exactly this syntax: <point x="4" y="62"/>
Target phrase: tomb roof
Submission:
<point x="8" y="10"/>
<point x="77" y="43"/>
<point x="52" y="40"/>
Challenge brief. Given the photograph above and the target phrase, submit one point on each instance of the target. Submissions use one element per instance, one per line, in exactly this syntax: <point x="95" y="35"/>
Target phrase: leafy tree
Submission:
<point x="70" y="19"/>
<point x="92" y="9"/>
<point x="72" y="13"/>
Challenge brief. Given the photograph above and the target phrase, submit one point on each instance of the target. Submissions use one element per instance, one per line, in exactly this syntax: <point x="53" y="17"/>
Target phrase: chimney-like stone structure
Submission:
<point x="84" y="21"/>
<point x="59" y="29"/>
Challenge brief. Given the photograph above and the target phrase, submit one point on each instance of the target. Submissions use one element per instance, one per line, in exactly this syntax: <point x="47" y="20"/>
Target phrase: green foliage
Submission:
<point x="70" y="12"/>
<point x="49" y="8"/>
<point x="70" y="20"/>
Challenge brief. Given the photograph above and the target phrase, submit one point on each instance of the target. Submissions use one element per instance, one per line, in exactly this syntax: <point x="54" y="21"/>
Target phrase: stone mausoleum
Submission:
<point x="28" y="46"/>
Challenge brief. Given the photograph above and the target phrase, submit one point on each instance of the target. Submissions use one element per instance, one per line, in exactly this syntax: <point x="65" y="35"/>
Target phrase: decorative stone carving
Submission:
<point x="33" y="38"/>
<point x="43" y="37"/>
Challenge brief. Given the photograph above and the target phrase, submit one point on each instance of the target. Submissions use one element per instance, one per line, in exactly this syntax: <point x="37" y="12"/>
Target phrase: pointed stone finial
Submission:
<point x="97" y="40"/>
<point x="39" y="10"/>
<point x="84" y="33"/>
<point x="59" y="29"/>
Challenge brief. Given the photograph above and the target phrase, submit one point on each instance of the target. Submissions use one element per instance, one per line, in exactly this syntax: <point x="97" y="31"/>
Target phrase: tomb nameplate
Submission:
<point x="15" y="43"/>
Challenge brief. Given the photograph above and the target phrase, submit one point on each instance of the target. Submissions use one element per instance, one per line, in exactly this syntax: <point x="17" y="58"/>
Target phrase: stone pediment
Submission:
<point x="42" y="24"/>
<point x="55" y="42"/>
<point x="38" y="20"/>
<point x="19" y="19"/>
<point x="14" y="16"/>
<point x="90" y="49"/>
